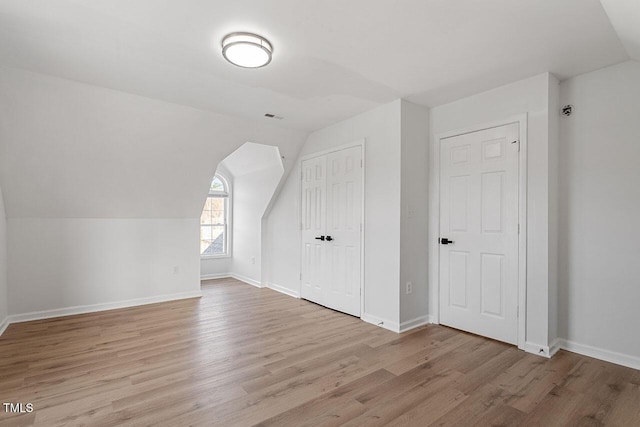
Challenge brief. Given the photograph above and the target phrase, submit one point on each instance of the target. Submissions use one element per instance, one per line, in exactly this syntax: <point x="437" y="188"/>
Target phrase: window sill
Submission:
<point x="202" y="257"/>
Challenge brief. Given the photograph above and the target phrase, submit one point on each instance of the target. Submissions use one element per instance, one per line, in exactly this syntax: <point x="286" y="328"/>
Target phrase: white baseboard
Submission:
<point x="602" y="354"/>
<point x="383" y="323"/>
<point x="554" y="347"/>
<point x="82" y="309"/>
<point x="548" y="351"/>
<point x="283" y="290"/>
<point x="414" y="323"/>
<point x="247" y="280"/>
<point x="539" y="349"/>
<point x="239" y="277"/>
<point x="4" y="325"/>
<point x="433" y="319"/>
<point x="215" y="276"/>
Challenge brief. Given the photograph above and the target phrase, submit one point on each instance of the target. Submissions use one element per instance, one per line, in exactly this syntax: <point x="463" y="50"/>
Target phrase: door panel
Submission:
<point x="458" y="278"/>
<point x="479" y="213"/>
<point x="492" y="291"/>
<point x="492" y="193"/>
<point x="459" y="203"/>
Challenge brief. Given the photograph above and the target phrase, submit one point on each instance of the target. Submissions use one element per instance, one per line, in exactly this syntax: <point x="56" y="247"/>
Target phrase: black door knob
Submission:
<point x="320" y="238"/>
<point x="329" y="238"/>
<point x="446" y="241"/>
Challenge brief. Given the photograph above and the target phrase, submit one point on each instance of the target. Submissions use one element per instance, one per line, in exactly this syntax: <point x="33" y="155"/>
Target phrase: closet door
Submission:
<point x="331" y="210"/>
<point x="344" y="214"/>
<point x="314" y="211"/>
<point x="479" y="232"/>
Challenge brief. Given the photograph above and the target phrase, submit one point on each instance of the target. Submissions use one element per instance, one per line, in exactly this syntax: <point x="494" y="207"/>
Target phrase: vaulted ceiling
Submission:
<point x="625" y="17"/>
<point x="332" y="58"/>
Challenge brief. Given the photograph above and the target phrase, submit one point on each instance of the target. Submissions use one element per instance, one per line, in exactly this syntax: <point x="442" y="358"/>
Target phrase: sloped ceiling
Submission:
<point x="625" y="17"/>
<point x="70" y="150"/>
<point x="332" y="58"/>
<point x="250" y="158"/>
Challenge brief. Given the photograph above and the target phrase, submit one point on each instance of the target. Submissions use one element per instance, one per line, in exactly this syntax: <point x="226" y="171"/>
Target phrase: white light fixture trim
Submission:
<point x="246" y="50"/>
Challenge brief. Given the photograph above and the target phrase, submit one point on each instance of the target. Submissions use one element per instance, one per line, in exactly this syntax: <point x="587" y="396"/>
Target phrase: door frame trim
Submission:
<point x="357" y="143"/>
<point x="434" y="219"/>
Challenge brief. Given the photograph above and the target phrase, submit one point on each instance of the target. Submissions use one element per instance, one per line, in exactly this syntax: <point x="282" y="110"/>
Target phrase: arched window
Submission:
<point x="214" y="230"/>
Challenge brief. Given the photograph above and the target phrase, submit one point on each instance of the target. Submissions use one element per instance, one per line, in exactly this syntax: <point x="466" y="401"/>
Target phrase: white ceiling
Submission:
<point x="625" y="17"/>
<point x="250" y="158"/>
<point x="332" y="58"/>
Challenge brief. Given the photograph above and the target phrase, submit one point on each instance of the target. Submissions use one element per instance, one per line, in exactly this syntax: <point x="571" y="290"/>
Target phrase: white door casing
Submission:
<point x="331" y="201"/>
<point x="479" y="203"/>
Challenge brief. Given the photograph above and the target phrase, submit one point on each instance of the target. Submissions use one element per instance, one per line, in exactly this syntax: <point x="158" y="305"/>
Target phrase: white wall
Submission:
<point x="281" y="253"/>
<point x="530" y="96"/>
<point x="414" y="212"/>
<point x="600" y="211"/>
<point x="70" y="150"/>
<point x="61" y="263"/>
<point x="211" y="268"/>
<point x="251" y="195"/>
<point x="3" y="265"/>
<point x="89" y="174"/>
<point x="381" y="128"/>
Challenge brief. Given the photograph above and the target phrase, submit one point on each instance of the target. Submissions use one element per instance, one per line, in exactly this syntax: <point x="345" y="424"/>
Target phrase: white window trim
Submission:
<point x="229" y="217"/>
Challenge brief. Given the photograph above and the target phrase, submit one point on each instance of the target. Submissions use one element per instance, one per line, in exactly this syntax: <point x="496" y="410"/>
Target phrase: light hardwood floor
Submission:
<point x="243" y="356"/>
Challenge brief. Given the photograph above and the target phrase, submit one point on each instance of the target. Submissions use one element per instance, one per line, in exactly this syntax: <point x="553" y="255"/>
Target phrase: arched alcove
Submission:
<point x="251" y="174"/>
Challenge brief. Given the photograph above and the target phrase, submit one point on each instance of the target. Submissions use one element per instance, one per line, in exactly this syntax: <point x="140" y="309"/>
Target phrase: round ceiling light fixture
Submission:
<point x="246" y="50"/>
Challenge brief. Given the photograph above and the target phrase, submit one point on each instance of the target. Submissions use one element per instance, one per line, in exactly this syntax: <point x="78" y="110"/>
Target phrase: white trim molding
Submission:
<point x="414" y="323"/>
<point x="600" y="353"/>
<point x="283" y="290"/>
<point x="206" y="257"/>
<point x="214" y="276"/>
<point x="83" y="309"/>
<point x="4" y="325"/>
<point x="538" y="349"/>
<point x="554" y="347"/>
<point x="383" y="323"/>
<point x="246" y="280"/>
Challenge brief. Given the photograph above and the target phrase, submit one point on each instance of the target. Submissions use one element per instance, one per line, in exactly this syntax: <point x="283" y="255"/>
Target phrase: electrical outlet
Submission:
<point x="409" y="287"/>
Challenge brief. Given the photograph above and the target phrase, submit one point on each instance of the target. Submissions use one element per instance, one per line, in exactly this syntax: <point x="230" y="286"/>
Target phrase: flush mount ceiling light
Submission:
<point x="246" y="50"/>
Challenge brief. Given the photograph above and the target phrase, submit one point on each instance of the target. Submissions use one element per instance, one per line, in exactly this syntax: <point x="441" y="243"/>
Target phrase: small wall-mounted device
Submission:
<point x="567" y="110"/>
<point x="273" y="116"/>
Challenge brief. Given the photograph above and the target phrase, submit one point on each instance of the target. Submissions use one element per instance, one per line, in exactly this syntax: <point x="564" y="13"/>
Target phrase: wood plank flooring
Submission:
<point x="243" y="356"/>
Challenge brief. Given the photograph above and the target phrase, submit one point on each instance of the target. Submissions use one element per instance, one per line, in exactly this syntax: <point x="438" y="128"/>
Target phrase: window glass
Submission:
<point x="213" y="221"/>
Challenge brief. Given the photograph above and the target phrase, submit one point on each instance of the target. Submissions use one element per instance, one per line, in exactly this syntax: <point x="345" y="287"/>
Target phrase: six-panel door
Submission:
<point x="479" y="214"/>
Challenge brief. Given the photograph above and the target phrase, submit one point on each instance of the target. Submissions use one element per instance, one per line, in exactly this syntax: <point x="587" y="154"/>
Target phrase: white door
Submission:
<point x="479" y="232"/>
<point x="313" y="210"/>
<point x="331" y="229"/>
